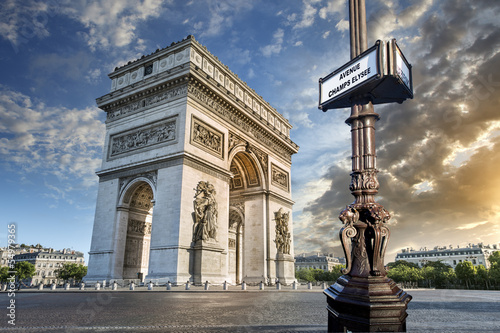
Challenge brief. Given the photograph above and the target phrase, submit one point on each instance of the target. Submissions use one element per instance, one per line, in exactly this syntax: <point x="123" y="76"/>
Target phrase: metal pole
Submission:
<point x="364" y="299"/>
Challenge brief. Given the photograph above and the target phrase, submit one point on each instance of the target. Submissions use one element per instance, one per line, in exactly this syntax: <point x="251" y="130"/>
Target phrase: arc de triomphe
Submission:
<point x="195" y="177"/>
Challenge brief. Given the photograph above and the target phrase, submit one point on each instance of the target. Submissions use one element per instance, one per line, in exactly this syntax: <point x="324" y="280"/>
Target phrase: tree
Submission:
<point x="465" y="271"/>
<point x="305" y="274"/>
<point x="72" y="271"/>
<point x="494" y="258"/>
<point x="437" y="273"/>
<point x="24" y="270"/>
<point x="4" y="274"/>
<point x="482" y="276"/>
<point x="403" y="273"/>
<point x="494" y="271"/>
<point x="400" y="263"/>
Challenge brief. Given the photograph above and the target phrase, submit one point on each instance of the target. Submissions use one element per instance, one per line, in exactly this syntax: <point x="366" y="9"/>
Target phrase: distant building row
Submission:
<point x="46" y="260"/>
<point x="477" y="254"/>
<point x="325" y="262"/>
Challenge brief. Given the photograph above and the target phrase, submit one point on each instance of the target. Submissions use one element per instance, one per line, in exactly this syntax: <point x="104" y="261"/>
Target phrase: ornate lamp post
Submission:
<point x="364" y="299"/>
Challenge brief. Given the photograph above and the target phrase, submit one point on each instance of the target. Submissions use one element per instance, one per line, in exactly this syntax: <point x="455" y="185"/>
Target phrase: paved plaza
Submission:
<point x="216" y="310"/>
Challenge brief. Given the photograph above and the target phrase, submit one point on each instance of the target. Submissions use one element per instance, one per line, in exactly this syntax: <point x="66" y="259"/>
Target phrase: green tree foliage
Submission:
<point x="437" y="274"/>
<point x="482" y="276"/>
<point x="494" y="271"/>
<point x="305" y="274"/>
<point x="401" y="263"/>
<point x="466" y="272"/>
<point x="4" y="274"/>
<point x="312" y="275"/>
<point x="405" y="274"/>
<point x="24" y="270"/>
<point x="72" y="271"/>
<point x="494" y="258"/>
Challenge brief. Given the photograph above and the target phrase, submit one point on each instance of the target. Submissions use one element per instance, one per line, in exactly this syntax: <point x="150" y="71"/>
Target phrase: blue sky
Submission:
<point x="438" y="154"/>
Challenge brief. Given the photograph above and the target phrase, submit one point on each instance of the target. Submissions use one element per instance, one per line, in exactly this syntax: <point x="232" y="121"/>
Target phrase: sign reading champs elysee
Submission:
<point x="382" y="73"/>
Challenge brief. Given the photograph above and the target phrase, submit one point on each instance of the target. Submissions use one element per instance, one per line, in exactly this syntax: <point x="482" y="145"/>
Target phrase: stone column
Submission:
<point x="364" y="299"/>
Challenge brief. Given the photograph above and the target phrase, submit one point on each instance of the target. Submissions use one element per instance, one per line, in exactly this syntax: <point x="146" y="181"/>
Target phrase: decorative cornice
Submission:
<point x="121" y="106"/>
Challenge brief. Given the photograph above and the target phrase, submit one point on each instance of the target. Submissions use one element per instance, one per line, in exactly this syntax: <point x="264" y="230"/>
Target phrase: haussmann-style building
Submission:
<point x="195" y="177"/>
<point x="47" y="261"/>
<point x="477" y="254"/>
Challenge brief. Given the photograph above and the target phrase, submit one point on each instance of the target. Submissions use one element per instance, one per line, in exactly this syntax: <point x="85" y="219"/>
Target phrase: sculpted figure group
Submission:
<point x="205" y="212"/>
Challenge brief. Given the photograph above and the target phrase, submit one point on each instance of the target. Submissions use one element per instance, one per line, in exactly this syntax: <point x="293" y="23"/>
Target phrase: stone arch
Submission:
<point x="247" y="183"/>
<point x="136" y="213"/>
<point x="129" y="187"/>
<point x="246" y="171"/>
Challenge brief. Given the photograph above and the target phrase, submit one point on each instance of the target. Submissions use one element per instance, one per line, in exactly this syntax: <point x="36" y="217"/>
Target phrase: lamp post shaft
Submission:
<point x="364" y="299"/>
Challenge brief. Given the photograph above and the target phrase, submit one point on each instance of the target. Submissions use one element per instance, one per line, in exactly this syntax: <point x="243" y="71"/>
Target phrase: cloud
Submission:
<point x="21" y="21"/>
<point x="35" y="138"/>
<point x="275" y="47"/>
<point x="333" y="7"/>
<point x="222" y="14"/>
<point x="112" y="23"/>
<point x="308" y="14"/>
<point x="471" y="225"/>
<point x="342" y="25"/>
<point x="108" y="24"/>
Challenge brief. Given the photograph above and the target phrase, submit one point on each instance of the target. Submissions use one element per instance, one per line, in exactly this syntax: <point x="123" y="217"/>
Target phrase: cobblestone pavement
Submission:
<point x="232" y="311"/>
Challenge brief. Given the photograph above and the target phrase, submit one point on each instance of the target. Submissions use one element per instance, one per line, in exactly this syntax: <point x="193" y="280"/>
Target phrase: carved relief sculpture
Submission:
<point x="283" y="237"/>
<point x="205" y="212"/>
<point x="142" y="137"/>
<point x="139" y="227"/>
<point x="279" y="177"/>
<point x="207" y="138"/>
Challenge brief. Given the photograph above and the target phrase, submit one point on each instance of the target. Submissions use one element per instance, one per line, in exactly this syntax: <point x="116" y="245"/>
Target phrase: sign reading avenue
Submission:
<point x="381" y="74"/>
<point x="351" y="75"/>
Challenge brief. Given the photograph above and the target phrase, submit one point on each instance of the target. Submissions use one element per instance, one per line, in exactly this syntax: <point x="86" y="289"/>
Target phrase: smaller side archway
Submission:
<point x="136" y="212"/>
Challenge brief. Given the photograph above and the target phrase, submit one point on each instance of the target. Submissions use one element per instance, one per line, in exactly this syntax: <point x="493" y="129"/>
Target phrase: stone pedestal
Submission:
<point x="285" y="268"/>
<point x="208" y="263"/>
<point x="366" y="304"/>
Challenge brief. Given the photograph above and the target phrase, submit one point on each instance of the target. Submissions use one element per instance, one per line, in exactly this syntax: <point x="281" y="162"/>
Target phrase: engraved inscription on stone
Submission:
<point x="207" y="138"/>
<point x="279" y="177"/>
<point x="142" y="137"/>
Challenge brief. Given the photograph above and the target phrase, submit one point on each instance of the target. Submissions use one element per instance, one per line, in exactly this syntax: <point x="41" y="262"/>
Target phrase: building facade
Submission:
<point x="48" y="261"/>
<point x="325" y="262"/>
<point x="195" y="179"/>
<point x="477" y="254"/>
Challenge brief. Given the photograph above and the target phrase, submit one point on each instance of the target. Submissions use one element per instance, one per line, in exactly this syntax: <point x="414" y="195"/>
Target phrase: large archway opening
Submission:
<point x="137" y="244"/>
<point x="245" y="177"/>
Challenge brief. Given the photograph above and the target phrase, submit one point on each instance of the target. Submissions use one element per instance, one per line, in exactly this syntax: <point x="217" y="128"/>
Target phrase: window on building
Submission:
<point x="474" y="261"/>
<point x="454" y="262"/>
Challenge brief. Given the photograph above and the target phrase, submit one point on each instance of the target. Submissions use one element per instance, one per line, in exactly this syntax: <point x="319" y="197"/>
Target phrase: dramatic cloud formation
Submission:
<point x="39" y="138"/>
<point x="437" y="154"/>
